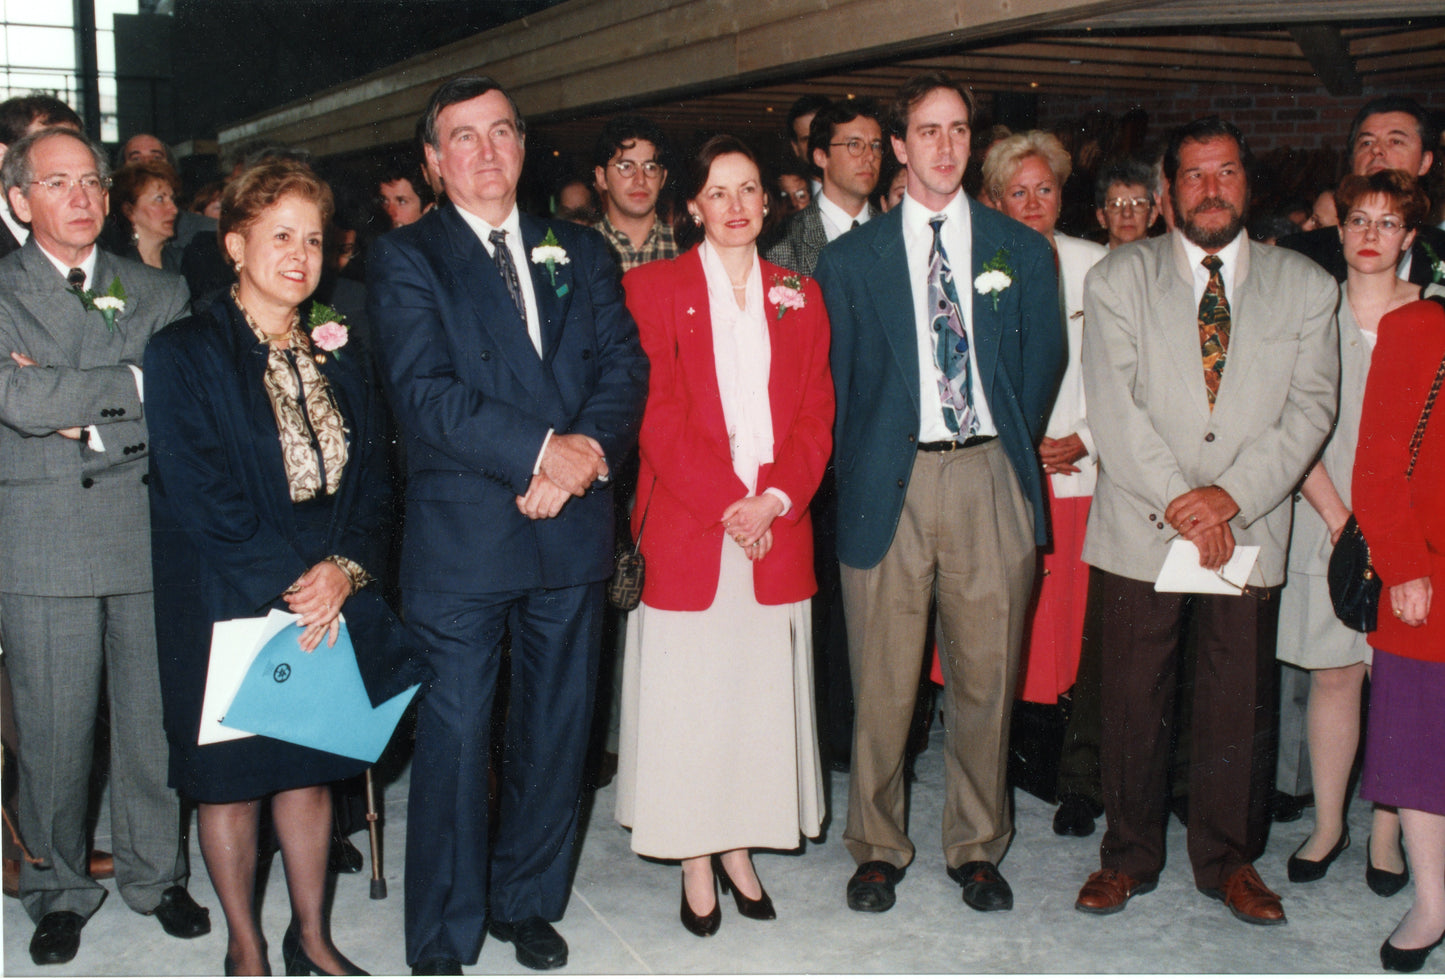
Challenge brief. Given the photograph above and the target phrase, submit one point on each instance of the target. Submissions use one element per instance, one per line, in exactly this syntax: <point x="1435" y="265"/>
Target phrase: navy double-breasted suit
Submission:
<point x="474" y="401"/>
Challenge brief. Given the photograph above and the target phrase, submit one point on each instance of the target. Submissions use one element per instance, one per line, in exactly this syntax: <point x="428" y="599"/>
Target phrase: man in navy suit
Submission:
<point x="516" y="376"/>
<point x="944" y="378"/>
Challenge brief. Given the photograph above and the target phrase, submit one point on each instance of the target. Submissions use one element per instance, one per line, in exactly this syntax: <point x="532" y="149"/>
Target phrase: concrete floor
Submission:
<point x="623" y="916"/>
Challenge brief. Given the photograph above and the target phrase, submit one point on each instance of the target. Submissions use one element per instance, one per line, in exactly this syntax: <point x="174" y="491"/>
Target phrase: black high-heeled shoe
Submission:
<point x="700" y="925"/>
<point x="1302" y="871"/>
<point x="759" y="910"/>
<point x="228" y="966"/>
<point x="1407" y="959"/>
<point x="1385" y="883"/>
<point x="298" y="963"/>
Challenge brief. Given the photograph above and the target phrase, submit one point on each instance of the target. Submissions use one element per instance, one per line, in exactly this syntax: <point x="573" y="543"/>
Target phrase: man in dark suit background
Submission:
<point x="944" y="381"/>
<point x="1389" y="133"/>
<point x="517" y="378"/>
<point x="75" y="570"/>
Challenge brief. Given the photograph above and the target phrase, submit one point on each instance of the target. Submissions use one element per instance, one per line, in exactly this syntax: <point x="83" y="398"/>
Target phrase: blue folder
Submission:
<point x="314" y="699"/>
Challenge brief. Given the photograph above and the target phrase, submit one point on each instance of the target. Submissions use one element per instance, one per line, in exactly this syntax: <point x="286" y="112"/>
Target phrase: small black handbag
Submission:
<point x="1354" y="586"/>
<point x="624" y="591"/>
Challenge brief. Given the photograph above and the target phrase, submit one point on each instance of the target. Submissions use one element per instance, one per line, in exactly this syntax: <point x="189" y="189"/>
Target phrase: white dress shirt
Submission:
<point x="836" y="221"/>
<point x="21" y="233"/>
<point x="957" y="236"/>
<point x="1229" y="261"/>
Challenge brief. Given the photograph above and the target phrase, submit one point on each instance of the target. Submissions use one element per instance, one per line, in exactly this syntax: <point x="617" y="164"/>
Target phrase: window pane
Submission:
<point x="56" y="12"/>
<point x="41" y="47"/>
<point x="105" y="10"/>
<point x="105" y="52"/>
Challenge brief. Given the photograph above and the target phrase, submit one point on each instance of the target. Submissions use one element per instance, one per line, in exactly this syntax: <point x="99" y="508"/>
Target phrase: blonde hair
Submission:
<point x="1005" y="156"/>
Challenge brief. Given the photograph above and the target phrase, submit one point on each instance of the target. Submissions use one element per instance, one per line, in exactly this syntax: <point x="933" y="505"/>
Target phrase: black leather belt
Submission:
<point x="949" y="445"/>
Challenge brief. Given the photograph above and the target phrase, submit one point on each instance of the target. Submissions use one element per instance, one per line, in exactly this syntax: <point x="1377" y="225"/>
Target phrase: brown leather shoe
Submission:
<point x="1107" y="891"/>
<point x="1246" y="897"/>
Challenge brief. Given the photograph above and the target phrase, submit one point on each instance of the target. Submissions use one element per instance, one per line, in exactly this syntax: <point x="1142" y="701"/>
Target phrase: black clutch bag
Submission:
<point x="1354" y="586"/>
<point x="624" y="591"/>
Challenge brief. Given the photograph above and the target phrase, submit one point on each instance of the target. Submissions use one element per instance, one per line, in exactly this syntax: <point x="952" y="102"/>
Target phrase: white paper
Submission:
<point x="234" y="644"/>
<point x="1182" y="571"/>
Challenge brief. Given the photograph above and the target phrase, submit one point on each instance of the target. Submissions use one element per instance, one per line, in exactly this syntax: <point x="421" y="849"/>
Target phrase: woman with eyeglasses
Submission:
<point x="1402" y="517"/>
<point x="1378" y="215"/>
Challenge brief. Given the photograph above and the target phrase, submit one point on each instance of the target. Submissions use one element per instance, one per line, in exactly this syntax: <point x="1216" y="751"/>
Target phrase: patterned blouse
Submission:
<point x="313" y="433"/>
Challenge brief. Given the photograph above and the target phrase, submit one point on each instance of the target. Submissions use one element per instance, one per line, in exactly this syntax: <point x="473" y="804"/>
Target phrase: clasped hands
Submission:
<point x="24" y="361"/>
<point x="749" y="521"/>
<point x="1059" y="455"/>
<point x="570" y="464"/>
<point x="1201" y="516"/>
<point x="317" y="596"/>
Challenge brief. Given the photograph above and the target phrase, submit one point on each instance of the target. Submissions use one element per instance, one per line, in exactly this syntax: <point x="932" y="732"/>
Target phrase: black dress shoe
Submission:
<point x="298" y="963"/>
<point x="1076" y="816"/>
<point x="181" y="916"/>
<point x="344" y="857"/>
<point x="537" y="942"/>
<point x="701" y="925"/>
<point x="984" y="888"/>
<point x="1286" y="808"/>
<point x="57" y="938"/>
<point x="871" y="886"/>
<point x="437" y="967"/>
<point x="1407" y="959"/>
<point x="759" y="910"/>
<point x="1385" y="883"/>
<point x="1302" y="871"/>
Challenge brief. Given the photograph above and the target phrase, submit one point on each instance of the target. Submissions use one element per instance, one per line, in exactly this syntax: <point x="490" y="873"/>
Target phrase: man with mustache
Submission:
<point x="1210" y="369"/>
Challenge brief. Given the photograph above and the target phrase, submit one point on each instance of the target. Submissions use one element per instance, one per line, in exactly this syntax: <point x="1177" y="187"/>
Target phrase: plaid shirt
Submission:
<point x="659" y="244"/>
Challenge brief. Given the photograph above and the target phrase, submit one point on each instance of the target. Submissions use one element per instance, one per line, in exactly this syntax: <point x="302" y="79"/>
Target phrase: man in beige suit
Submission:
<point x="1210" y="368"/>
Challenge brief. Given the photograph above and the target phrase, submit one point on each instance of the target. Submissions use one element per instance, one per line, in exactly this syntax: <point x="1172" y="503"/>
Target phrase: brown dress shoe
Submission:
<point x="1246" y="897"/>
<point x="1107" y="891"/>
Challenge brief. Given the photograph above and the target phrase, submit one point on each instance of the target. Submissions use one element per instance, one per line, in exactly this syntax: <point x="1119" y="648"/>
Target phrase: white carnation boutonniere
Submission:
<point x="551" y="254"/>
<point x="108" y="304"/>
<point x="328" y="330"/>
<point x="997" y="275"/>
<point x="787" y="293"/>
<point x="1437" y="265"/>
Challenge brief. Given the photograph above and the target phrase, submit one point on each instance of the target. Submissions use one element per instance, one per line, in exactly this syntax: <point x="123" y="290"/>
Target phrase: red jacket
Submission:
<point x="1404" y="521"/>
<point x="685" y="479"/>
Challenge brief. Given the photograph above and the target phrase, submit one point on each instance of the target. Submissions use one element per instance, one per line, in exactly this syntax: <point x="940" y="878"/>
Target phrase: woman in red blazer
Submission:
<point x="1404" y="521"/>
<point x="718" y="749"/>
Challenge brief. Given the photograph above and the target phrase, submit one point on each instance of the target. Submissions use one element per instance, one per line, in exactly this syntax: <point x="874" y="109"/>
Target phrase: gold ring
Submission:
<point x="1398" y="613"/>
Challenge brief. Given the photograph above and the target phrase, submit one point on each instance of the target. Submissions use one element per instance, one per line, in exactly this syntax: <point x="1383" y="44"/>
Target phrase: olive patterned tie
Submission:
<point x="1213" y="328"/>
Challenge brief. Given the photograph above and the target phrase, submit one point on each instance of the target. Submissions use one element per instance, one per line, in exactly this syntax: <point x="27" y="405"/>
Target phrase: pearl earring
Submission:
<point x="697" y="220"/>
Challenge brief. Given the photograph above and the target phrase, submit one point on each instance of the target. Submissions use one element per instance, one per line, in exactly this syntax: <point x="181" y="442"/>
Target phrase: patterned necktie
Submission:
<point x="1213" y="328"/>
<point x="950" y="351"/>
<point x="502" y="255"/>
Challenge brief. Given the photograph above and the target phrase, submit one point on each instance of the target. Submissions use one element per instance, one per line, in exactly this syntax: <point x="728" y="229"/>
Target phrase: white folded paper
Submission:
<point x="1182" y="571"/>
<point x="234" y="645"/>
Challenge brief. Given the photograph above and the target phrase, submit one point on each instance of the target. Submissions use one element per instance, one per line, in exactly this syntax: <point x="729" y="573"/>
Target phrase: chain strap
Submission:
<point x="1419" y="435"/>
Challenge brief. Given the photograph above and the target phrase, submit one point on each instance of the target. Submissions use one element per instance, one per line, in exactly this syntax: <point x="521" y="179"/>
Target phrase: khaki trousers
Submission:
<point x="966" y="539"/>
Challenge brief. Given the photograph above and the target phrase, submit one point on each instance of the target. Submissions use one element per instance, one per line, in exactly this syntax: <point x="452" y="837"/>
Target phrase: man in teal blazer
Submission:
<point x="938" y="501"/>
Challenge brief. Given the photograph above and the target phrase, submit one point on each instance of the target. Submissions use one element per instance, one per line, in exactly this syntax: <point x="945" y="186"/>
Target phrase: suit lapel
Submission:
<point x="987" y="332"/>
<point x="1177" y="306"/>
<point x="693" y="314"/>
<point x="551" y="307"/>
<point x="891" y="291"/>
<point x="56" y="311"/>
<point x="486" y="297"/>
<point x="99" y="345"/>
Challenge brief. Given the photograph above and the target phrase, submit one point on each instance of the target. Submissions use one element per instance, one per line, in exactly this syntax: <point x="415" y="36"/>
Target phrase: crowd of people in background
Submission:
<point x="906" y="420"/>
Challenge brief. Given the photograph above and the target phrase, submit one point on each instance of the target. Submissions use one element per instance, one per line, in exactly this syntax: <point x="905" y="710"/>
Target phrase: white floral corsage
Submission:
<point x="551" y="254"/>
<point x="108" y="304"/>
<point x="997" y="275"/>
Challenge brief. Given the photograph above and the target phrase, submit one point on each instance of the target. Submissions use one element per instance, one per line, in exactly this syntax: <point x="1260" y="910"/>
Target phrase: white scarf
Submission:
<point x="743" y="355"/>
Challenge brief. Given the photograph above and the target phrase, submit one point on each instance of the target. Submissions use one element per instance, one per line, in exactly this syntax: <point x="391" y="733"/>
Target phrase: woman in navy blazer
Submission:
<point x="718" y="751"/>
<point x="237" y="532"/>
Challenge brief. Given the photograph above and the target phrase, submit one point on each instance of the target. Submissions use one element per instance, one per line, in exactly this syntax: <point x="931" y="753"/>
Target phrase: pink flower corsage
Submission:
<point x="787" y="293"/>
<point x="328" y="330"/>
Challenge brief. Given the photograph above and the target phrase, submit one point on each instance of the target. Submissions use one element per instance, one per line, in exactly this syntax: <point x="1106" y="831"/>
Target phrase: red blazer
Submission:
<point x="685" y="479"/>
<point x="1404" y="521"/>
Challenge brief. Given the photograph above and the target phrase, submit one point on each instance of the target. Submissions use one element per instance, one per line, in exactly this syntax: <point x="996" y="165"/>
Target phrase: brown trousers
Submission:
<point x="1143" y="634"/>
<point x="966" y="538"/>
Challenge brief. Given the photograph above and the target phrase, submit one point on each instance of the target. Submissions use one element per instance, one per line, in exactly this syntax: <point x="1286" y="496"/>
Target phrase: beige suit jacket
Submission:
<point x="1156" y="435"/>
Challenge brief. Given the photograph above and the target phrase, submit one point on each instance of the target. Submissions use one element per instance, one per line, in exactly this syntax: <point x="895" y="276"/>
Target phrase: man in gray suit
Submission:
<point x="75" y="573"/>
<point x="845" y="142"/>
<point x="1189" y="449"/>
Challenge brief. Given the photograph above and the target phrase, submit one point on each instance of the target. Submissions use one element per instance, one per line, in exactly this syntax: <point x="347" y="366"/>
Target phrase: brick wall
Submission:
<point x="1270" y="117"/>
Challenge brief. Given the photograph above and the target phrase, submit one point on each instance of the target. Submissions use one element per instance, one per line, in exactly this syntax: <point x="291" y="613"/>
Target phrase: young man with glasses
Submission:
<point x="630" y="169"/>
<point x="845" y="142"/>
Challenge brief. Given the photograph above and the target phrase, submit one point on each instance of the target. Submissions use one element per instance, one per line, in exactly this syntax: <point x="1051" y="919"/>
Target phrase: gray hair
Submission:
<point x="17" y="170"/>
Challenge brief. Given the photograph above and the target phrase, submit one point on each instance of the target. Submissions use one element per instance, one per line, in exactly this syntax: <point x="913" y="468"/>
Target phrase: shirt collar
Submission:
<point x="916" y="217"/>
<point x="1228" y="255"/>
<point x="512" y="225"/>
<point x="841" y="219"/>
<point x="87" y="264"/>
